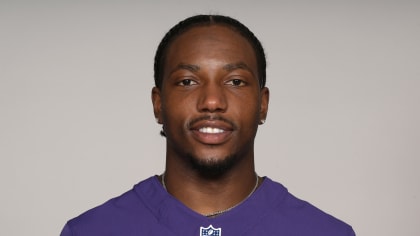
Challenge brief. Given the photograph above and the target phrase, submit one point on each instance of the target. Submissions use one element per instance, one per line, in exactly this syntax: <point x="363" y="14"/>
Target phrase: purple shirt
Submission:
<point x="149" y="210"/>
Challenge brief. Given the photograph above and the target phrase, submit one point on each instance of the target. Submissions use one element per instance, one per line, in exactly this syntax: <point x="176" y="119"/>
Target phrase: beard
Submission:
<point x="213" y="168"/>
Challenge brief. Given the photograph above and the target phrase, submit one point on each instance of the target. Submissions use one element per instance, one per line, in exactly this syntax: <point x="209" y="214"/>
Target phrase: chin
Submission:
<point x="213" y="167"/>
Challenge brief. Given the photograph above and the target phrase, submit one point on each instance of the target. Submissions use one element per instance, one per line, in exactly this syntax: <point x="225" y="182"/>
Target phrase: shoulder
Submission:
<point x="301" y="216"/>
<point x="117" y="214"/>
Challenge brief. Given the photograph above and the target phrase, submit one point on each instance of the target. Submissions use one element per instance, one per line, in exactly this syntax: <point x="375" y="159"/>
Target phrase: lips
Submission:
<point x="211" y="131"/>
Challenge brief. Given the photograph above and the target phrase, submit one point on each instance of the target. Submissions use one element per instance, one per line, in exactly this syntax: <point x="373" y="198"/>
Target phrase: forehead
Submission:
<point x="210" y="41"/>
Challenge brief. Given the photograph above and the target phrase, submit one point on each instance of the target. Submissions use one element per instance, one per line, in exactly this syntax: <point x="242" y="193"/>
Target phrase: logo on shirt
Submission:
<point x="210" y="231"/>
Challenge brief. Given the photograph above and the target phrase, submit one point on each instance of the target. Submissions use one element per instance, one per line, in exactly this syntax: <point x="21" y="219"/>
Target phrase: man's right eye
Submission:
<point x="187" y="82"/>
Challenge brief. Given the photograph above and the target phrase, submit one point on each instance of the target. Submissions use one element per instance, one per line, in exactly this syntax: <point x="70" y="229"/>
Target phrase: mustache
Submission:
<point x="211" y="118"/>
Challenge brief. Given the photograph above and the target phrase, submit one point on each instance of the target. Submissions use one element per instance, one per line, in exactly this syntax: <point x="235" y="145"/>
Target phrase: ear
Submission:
<point x="157" y="104"/>
<point x="265" y="97"/>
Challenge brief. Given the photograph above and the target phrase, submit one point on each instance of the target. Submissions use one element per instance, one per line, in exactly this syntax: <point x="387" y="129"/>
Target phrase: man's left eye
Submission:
<point x="187" y="82"/>
<point x="236" y="82"/>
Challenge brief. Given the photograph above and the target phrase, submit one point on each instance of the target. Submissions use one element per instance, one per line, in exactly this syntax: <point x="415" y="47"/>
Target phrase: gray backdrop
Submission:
<point x="76" y="122"/>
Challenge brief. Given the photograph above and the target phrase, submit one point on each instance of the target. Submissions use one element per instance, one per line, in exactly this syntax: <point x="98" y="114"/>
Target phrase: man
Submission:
<point x="210" y="97"/>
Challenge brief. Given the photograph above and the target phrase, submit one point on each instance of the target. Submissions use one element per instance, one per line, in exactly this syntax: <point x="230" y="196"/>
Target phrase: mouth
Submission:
<point x="212" y="131"/>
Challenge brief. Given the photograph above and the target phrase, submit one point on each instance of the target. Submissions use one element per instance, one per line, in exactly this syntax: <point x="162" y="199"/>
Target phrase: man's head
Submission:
<point x="202" y="20"/>
<point x="209" y="94"/>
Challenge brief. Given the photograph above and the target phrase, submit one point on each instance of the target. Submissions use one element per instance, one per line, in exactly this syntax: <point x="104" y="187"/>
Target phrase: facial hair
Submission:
<point x="213" y="168"/>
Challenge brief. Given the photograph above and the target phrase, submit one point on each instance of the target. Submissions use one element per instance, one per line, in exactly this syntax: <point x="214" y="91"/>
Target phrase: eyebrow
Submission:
<point x="228" y="67"/>
<point x="239" y="65"/>
<point x="183" y="66"/>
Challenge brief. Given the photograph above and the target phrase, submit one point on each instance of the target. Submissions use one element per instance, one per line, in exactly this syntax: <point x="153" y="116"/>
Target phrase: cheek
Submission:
<point x="176" y="110"/>
<point x="247" y="106"/>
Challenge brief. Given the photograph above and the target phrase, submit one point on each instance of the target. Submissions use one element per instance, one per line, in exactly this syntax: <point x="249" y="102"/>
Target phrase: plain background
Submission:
<point x="77" y="128"/>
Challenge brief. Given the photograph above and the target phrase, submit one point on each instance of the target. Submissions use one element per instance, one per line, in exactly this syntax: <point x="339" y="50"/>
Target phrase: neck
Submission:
<point x="209" y="195"/>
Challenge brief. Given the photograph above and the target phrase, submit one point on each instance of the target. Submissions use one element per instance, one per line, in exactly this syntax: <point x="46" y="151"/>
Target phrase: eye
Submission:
<point x="187" y="82"/>
<point x="236" y="82"/>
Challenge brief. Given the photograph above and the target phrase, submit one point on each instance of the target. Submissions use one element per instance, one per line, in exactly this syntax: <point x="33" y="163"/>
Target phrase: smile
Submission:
<point x="210" y="130"/>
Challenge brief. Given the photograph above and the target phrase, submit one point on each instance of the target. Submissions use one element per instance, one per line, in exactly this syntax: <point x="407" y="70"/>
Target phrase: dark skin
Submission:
<point x="210" y="104"/>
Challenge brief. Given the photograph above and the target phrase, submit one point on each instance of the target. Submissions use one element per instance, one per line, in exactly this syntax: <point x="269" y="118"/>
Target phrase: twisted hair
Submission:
<point x="207" y="20"/>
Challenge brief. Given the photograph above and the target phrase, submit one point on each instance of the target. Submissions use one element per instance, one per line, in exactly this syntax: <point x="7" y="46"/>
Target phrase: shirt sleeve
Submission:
<point x="351" y="232"/>
<point x="66" y="231"/>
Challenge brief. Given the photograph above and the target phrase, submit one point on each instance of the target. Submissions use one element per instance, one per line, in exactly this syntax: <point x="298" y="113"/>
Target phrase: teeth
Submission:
<point x="209" y="130"/>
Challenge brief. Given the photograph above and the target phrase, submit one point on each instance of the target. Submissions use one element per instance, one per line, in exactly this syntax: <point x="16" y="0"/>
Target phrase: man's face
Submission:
<point x="210" y="102"/>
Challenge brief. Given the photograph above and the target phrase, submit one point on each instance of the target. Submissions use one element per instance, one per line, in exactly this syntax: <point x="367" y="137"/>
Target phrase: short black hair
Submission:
<point x="207" y="20"/>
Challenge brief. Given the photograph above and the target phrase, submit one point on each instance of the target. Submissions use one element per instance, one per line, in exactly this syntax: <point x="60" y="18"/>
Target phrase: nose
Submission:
<point x="212" y="98"/>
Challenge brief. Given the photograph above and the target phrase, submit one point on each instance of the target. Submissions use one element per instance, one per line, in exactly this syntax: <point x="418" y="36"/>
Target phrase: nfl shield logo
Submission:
<point x="210" y="231"/>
